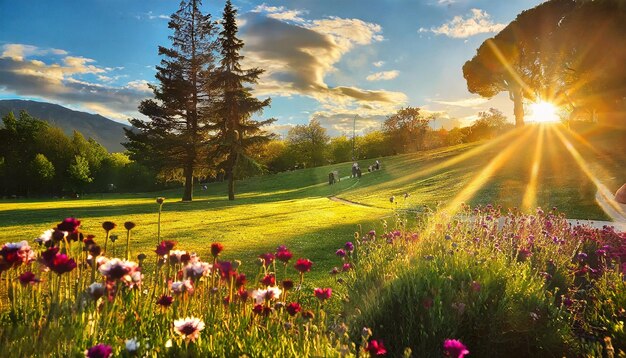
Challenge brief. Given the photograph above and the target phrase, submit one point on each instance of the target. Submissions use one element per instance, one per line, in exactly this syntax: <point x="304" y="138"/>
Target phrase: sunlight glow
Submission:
<point x="530" y="196"/>
<point x="542" y="112"/>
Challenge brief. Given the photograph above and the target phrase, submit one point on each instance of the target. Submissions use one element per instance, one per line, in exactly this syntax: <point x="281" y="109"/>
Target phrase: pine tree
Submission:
<point x="237" y="131"/>
<point x="176" y="138"/>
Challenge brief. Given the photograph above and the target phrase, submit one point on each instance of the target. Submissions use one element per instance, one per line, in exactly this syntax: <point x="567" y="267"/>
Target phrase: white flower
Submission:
<point x="24" y="253"/>
<point x="132" y="345"/>
<point x="181" y="286"/>
<point x="271" y="293"/>
<point x="176" y="256"/>
<point x="96" y="290"/>
<point x="126" y="271"/>
<point x="46" y="236"/>
<point x="197" y="269"/>
<point x="189" y="327"/>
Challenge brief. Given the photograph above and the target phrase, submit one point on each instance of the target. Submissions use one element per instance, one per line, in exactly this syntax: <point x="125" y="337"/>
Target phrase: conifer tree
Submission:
<point x="236" y="131"/>
<point x="176" y="138"/>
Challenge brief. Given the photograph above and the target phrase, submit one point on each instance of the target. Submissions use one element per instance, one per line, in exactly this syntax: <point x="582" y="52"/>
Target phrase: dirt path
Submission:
<point x="353" y="203"/>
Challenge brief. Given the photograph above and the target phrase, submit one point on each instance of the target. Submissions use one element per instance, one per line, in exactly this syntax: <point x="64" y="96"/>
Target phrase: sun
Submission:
<point x="542" y="112"/>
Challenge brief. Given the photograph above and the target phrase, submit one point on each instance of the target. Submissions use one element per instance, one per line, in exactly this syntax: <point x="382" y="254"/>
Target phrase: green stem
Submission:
<point x="127" y="245"/>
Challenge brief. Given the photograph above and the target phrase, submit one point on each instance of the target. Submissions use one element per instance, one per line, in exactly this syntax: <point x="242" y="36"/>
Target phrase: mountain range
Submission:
<point x="106" y="131"/>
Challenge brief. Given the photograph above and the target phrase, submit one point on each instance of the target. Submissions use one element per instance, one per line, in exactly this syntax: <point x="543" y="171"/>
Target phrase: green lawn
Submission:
<point x="293" y="208"/>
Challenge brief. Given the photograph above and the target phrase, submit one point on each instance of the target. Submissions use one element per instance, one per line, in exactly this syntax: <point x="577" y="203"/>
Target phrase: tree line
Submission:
<point x="39" y="159"/>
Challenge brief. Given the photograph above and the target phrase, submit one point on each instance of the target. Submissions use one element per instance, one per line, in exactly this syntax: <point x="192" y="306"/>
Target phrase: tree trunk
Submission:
<point x="231" y="186"/>
<point x="188" y="172"/>
<point x="518" y="106"/>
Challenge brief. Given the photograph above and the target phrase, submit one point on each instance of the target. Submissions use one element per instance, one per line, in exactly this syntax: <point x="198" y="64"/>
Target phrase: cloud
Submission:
<point x="464" y="102"/>
<point x="299" y="57"/>
<point x="378" y="63"/>
<point x="280" y="13"/>
<point x="63" y="81"/>
<point x="152" y="16"/>
<point x="383" y="76"/>
<point x="342" y="123"/>
<point x="477" y="22"/>
<point x="446" y="2"/>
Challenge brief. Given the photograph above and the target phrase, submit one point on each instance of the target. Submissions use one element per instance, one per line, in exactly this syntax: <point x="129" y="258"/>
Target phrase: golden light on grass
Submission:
<point x="543" y="112"/>
<point x="530" y="196"/>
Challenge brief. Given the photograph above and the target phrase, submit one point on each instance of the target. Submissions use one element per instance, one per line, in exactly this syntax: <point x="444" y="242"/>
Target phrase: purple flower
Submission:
<point x="99" y="351"/>
<point x="341" y="253"/>
<point x="454" y="348"/>
<point x="349" y="246"/>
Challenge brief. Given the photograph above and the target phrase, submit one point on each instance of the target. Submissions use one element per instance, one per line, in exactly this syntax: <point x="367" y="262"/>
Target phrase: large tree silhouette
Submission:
<point x="236" y="131"/>
<point x="520" y="59"/>
<point x="176" y="138"/>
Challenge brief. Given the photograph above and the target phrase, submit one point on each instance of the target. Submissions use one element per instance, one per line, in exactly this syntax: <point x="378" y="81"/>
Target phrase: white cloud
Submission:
<point x="378" y="63"/>
<point x="383" y="76"/>
<point x="19" y="51"/>
<point x="280" y="13"/>
<point x="463" y="102"/>
<point x="477" y="22"/>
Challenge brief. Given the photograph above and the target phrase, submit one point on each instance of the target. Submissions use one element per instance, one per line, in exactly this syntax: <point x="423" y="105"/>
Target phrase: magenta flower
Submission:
<point x="303" y="265"/>
<point x="293" y="308"/>
<point x="267" y="258"/>
<point x="165" y="301"/>
<point x="226" y="269"/>
<point x="349" y="246"/>
<point x="59" y="263"/>
<point x="323" y="293"/>
<point x="99" y="351"/>
<point x="269" y="280"/>
<point x="375" y="348"/>
<point x="454" y="348"/>
<point x="165" y="247"/>
<point x="16" y="253"/>
<point x="69" y="225"/>
<point x="347" y="266"/>
<point x="283" y="254"/>
<point x="341" y="253"/>
<point x="28" y="278"/>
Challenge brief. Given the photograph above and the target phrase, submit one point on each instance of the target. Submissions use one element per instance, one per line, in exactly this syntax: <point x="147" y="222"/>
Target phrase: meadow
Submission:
<point x="297" y="267"/>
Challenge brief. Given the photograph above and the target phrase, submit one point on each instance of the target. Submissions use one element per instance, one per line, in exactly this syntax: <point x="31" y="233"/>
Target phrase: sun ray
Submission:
<point x="607" y="205"/>
<point x="509" y="68"/>
<point x="530" y="196"/>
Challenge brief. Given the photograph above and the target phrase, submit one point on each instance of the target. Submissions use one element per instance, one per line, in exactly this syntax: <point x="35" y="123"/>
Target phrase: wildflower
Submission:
<point x="454" y="348"/>
<point x="581" y="256"/>
<point x="196" y="270"/>
<point x="349" y="246"/>
<point x="160" y="200"/>
<point x="523" y="254"/>
<point x="179" y="287"/>
<point x="179" y="256"/>
<point x="323" y="293"/>
<point x="216" y="248"/>
<point x="165" y="247"/>
<point x="165" y="301"/>
<point x="189" y="327"/>
<point x="283" y="254"/>
<point x="226" y="269"/>
<point x="267" y="258"/>
<point x="293" y="308"/>
<point x="269" y="280"/>
<point x="341" y="253"/>
<point x="287" y="284"/>
<point x="347" y="266"/>
<point x="475" y="286"/>
<point x="375" y="348"/>
<point x="61" y="264"/>
<point x="240" y="280"/>
<point x="308" y="315"/>
<point x="99" y="351"/>
<point x="132" y="345"/>
<point x="28" y="278"/>
<point x="69" y="225"/>
<point x="243" y="294"/>
<point x="16" y="253"/>
<point x="334" y="271"/>
<point x="261" y="295"/>
<point x="129" y="225"/>
<point x="303" y="265"/>
<point x="47" y="237"/>
<point x="127" y="271"/>
<point x="108" y="226"/>
<point x="96" y="290"/>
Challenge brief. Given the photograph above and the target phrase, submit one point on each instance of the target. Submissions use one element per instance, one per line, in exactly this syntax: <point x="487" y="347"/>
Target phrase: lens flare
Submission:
<point x="542" y="112"/>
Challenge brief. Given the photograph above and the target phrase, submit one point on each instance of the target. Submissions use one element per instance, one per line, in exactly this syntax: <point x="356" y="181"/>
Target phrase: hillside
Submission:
<point x="107" y="132"/>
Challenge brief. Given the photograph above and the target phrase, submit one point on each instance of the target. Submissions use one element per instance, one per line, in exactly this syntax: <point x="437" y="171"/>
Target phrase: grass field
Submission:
<point x="525" y="168"/>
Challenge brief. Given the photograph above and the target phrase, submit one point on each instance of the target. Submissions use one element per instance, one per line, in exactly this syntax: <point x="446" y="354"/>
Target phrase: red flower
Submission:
<point x="287" y="284"/>
<point x="62" y="264"/>
<point x="323" y="293"/>
<point x="283" y="254"/>
<point x="69" y="225"/>
<point x="28" y="278"/>
<point x="241" y="280"/>
<point x="165" y="247"/>
<point x="216" y="248"/>
<point x="269" y="280"/>
<point x="226" y="269"/>
<point x="267" y="258"/>
<point x="375" y="348"/>
<point x="243" y="294"/>
<point x="165" y="301"/>
<point x="303" y="265"/>
<point x="293" y="308"/>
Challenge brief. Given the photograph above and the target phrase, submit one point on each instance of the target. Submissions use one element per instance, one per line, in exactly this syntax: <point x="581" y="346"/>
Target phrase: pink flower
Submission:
<point x="293" y="308"/>
<point x="341" y="253"/>
<point x="375" y="348"/>
<point x="69" y="225"/>
<point x="17" y="253"/>
<point x="283" y="254"/>
<point x="347" y="266"/>
<point x="61" y="264"/>
<point x="165" y="247"/>
<point x="189" y="327"/>
<point x="99" y="351"/>
<point x="267" y="258"/>
<point x="303" y="265"/>
<point x="323" y="293"/>
<point x="454" y="348"/>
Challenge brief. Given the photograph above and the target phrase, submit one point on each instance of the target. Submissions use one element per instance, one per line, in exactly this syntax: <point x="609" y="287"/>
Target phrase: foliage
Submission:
<point x="176" y="138"/>
<point x="237" y="132"/>
<point x="489" y="124"/>
<point x="308" y="143"/>
<point x="406" y="130"/>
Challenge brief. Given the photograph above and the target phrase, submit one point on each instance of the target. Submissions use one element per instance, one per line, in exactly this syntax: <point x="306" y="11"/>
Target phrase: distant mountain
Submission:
<point x="107" y="132"/>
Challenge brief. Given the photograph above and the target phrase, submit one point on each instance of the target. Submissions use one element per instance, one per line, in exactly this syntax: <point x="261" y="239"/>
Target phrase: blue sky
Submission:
<point x="324" y="59"/>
